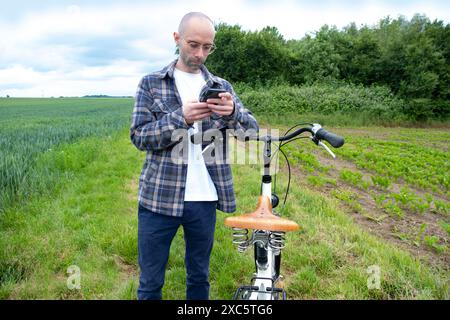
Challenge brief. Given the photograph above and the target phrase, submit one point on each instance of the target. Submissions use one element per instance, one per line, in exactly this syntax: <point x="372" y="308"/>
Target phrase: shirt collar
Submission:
<point x="169" y="69"/>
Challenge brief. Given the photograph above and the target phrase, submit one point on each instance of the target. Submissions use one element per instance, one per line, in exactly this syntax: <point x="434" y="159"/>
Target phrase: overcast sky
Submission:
<point x="74" y="48"/>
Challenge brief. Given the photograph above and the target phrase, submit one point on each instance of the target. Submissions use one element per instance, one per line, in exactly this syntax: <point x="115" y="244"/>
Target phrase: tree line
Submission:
<point x="410" y="57"/>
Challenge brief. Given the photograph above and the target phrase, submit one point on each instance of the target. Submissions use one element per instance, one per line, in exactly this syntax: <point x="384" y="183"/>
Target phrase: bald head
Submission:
<point x="195" y="20"/>
<point x="195" y="33"/>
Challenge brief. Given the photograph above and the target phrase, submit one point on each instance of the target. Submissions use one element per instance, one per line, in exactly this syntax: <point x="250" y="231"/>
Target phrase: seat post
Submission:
<point x="267" y="156"/>
<point x="266" y="184"/>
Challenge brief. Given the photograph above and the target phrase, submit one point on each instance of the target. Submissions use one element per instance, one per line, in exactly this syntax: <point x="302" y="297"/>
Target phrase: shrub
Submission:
<point x="425" y="109"/>
<point x="325" y="99"/>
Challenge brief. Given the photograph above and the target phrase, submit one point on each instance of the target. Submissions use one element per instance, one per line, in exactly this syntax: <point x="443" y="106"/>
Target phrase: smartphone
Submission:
<point x="211" y="93"/>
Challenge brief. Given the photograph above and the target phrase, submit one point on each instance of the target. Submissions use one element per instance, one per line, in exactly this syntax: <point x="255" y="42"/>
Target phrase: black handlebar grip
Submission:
<point x="329" y="137"/>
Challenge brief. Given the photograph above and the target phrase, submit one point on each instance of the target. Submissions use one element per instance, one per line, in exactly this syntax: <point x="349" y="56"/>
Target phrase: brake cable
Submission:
<point x="279" y="146"/>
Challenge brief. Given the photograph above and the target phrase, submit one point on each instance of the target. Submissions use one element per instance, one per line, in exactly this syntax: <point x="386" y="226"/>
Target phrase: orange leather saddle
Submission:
<point x="262" y="219"/>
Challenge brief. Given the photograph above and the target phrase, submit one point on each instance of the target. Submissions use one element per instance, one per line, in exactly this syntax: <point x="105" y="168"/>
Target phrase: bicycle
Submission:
<point x="268" y="228"/>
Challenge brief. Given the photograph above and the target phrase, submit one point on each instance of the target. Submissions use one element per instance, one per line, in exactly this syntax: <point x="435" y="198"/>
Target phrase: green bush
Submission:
<point x="425" y="109"/>
<point x="326" y="99"/>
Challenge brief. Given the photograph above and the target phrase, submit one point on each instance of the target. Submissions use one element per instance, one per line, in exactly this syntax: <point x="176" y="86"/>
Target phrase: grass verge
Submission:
<point x="91" y="222"/>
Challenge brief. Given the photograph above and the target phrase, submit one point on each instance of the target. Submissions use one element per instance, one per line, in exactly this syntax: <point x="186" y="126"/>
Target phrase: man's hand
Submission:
<point x="223" y="106"/>
<point x="195" y="111"/>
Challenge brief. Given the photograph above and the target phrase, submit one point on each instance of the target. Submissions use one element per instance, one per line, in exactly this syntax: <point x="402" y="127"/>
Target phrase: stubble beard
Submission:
<point x="192" y="63"/>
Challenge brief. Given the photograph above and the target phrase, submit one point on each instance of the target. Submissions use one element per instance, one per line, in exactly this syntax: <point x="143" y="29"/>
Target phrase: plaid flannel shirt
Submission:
<point x="157" y="113"/>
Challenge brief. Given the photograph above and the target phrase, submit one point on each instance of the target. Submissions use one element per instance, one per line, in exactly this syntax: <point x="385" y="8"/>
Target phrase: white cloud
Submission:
<point x="113" y="80"/>
<point x="95" y="47"/>
<point x="79" y="50"/>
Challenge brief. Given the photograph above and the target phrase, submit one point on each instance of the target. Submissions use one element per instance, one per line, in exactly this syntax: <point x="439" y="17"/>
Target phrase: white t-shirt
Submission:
<point x="199" y="186"/>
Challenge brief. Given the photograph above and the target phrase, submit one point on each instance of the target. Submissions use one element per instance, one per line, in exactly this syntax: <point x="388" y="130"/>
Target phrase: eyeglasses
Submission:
<point x="194" y="46"/>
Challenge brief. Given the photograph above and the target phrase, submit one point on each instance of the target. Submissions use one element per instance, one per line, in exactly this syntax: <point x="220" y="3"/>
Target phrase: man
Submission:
<point x="171" y="193"/>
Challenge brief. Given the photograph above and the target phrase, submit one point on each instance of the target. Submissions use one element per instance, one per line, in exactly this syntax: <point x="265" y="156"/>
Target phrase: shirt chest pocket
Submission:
<point x="161" y="107"/>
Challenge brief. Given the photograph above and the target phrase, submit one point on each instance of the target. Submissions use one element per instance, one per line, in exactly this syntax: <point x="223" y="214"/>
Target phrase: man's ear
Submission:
<point x="176" y="38"/>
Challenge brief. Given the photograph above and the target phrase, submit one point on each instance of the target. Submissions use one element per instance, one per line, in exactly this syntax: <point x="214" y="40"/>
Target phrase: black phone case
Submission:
<point x="211" y="93"/>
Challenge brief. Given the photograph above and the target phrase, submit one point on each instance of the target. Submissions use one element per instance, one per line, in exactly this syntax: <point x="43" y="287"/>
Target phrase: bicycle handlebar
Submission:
<point x="318" y="133"/>
<point x="333" y="139"/>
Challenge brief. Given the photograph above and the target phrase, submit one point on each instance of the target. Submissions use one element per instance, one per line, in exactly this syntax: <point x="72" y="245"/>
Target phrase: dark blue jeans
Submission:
<point x="155" y="235"/>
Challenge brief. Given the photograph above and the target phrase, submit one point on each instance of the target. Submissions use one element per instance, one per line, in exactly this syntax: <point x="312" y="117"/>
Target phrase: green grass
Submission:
<point x="92" y="223"/>
<point x="84" y="213"/>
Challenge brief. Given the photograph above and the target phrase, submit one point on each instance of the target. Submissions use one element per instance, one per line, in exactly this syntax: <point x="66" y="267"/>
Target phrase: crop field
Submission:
<point x="396" y="182"/>
<point x="29" y="127"/>
<point x="69" y="178"/>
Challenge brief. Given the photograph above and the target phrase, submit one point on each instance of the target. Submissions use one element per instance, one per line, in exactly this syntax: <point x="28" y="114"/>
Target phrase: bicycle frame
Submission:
<point x="267" y="257"/>
<point x="268" y="244"/>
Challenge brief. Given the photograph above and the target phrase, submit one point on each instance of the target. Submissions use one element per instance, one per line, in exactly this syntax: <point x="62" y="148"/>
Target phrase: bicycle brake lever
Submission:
<point x="320" y="143"/>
